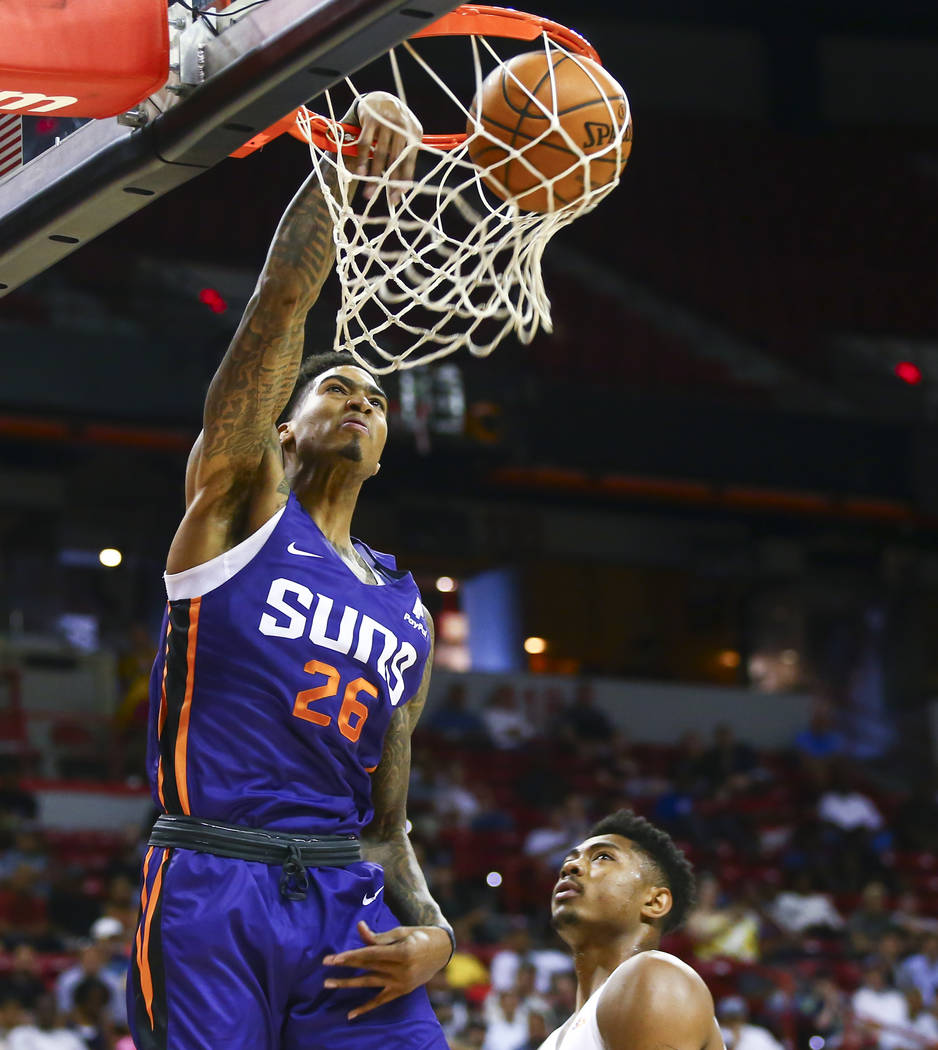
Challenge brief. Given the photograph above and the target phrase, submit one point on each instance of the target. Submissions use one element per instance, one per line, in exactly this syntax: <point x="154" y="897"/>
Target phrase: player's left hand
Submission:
<point x="397" y="961"/>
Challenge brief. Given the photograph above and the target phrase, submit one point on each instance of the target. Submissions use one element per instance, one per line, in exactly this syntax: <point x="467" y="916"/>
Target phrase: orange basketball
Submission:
<point x="517" y="110"/>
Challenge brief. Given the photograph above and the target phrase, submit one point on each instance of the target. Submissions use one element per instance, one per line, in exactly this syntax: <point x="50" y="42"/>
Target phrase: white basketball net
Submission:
<point x="449" y="264"/>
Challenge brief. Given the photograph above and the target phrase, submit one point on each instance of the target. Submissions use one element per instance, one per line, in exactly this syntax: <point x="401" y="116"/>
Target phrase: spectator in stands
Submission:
<point x="728" y="767"/>
<point x="104" y="958"/>
<point x="90" y="1014"/>
<point x="844" y="806"/>
<point x="880" y="1010"/>
<point x="511" y="953"/>
<point x="28" y="851"/>
<point x="23" y="911"/>
<point x="890" y="950"/>
<point x="922" y="1021"/>
<point x="122" y="901"/>
<point x="802" y="908"/>
<point x="676" y="808"/>
<point x="454" y="720"/>
<point x="738" y="1034"/>
<point x="11" y="1015"/>
<point x="526" y="988"/>
<point x="921" y="970"/>
<point x="724" y="930"/>
<point x="18" y="807"/>
<point x="562" y="997"/>
<point x="45" y="1032"/>
<point x="71" y="910"/>
<point x="454" y="802"/>
<point x="538" y="1030"/>
<point x="506" y="1021"/>
<point x="448" y="1004"/>
<point x="820" y="742"/>
<point x="491" y="816"/>
<point x="821" y="1011"/>
<point x="872" y="919"/>
<point x="23" y="981"/>
<point x="852" y="828"/>
<point x="464" y="902"/>
<point x="548" y="844"/>
<point x="465" y="970"/>
<point x="581" y="726"/>
<point x="472" y="1038"/>
<point x="908" y="915"/>
<point x="507" y="727"/>
<point x="548" y="962"/>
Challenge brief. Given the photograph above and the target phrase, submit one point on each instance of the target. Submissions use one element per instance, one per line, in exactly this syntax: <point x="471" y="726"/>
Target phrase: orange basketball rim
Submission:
<point x="465" y="20"/>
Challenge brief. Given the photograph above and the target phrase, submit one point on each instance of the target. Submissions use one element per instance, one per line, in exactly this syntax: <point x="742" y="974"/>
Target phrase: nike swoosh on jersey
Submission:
<point x="293" y="549"/>
<point x="369" y="900"/>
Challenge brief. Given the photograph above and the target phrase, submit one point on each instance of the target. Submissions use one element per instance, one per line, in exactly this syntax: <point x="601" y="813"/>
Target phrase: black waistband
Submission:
<point x="294" y="852"/>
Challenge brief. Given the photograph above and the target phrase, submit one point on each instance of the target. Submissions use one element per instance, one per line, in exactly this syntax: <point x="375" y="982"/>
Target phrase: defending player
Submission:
<point x="293" y="667"/>
<point x="619" y="891"/>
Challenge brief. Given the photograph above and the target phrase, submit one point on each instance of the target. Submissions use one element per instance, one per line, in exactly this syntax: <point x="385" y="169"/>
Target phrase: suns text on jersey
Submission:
<point x="301" y="613"/>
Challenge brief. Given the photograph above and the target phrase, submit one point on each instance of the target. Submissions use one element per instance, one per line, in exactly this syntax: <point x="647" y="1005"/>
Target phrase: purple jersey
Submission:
<point x="277" y="676"/>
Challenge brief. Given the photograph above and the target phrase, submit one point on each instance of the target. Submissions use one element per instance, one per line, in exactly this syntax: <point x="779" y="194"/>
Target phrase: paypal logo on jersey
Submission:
<point x="350" y="632"/>
<point x="418" y="611"/>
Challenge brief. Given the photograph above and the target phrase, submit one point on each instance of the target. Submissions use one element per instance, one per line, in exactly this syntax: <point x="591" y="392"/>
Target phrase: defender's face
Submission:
<point x="344" y="413"/>
<point x="603" y="881"/>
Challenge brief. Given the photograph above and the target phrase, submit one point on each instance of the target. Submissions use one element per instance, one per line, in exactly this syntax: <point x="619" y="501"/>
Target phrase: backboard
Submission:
<point x="262" y="63"/>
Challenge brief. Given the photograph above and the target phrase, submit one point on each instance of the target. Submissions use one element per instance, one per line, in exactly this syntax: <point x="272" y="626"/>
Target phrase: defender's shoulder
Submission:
<point x="651" y="996"/>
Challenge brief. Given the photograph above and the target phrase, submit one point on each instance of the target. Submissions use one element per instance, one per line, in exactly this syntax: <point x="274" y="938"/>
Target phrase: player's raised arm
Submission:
<point x="234" y="478"/>
<point x="655" y="1002"/>
<point x="406" y="957"/>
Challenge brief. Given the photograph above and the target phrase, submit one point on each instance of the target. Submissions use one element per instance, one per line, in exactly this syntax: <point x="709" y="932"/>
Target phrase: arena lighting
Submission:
<point x="908" y="372"/>
<point x="816" y="1042"/>
<point x="728" y="658"/>
<point x="535" y="646"/>
<point x="493" y="879"/>
<point x="446" y="584"/>
<point x="211" y="298"/>
<point x="110" y="557"/>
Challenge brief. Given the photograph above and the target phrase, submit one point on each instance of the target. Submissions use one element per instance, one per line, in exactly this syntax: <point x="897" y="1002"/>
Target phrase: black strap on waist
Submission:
<point x="295" y="853"/>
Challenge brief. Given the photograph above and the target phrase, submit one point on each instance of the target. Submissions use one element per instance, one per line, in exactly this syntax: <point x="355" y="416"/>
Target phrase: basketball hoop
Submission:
<point x="453" y="259"/>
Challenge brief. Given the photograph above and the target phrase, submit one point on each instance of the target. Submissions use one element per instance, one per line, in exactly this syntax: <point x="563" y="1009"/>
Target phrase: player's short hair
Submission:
<point x="314" y="365"/>
<point x="670" y="864"/>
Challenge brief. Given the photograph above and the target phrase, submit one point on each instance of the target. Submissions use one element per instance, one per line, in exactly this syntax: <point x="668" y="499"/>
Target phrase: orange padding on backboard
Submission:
<point x="81" y="58"/>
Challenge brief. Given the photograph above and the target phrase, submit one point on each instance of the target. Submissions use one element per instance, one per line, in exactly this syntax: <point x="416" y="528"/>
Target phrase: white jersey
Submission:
<point x="581" y="1031"/>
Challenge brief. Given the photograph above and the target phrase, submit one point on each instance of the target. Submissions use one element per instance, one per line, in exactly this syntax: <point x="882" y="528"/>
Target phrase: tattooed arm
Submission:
<point x="406" y="957"/>
<point x="234" y="478"/>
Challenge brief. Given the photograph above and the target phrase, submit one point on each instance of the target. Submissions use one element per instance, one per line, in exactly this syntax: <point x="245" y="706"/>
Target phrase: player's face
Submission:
<point x="605" y="882"/>
<point x="343" y="413"/>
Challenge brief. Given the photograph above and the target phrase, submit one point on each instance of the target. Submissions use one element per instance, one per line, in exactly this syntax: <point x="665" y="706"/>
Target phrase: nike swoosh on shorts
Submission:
<point x="293" y="549"/>
<point x="369" y="900"/>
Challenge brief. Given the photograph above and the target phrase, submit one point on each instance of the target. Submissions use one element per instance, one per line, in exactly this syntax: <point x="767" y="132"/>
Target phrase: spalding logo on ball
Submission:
<point x="527" y="114"/>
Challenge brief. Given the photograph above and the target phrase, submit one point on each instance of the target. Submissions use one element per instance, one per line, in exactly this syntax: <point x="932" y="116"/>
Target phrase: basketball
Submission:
<point x="588" y="131"/>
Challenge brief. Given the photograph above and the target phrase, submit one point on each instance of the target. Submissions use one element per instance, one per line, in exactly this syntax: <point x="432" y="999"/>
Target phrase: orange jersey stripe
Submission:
<point x="146" y="978"/>
<point x="162" y="720"/>
<point x="182" y="736"/>
<point x="143" y="907"/>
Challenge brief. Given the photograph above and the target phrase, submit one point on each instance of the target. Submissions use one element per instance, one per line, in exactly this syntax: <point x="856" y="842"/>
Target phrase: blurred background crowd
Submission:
<point x="816" y="922"/>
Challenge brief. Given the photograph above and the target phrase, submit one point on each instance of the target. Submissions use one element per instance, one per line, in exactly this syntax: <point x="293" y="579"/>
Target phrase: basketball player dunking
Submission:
<point x="293" y="665"/>
<point x="619" y="891"/>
